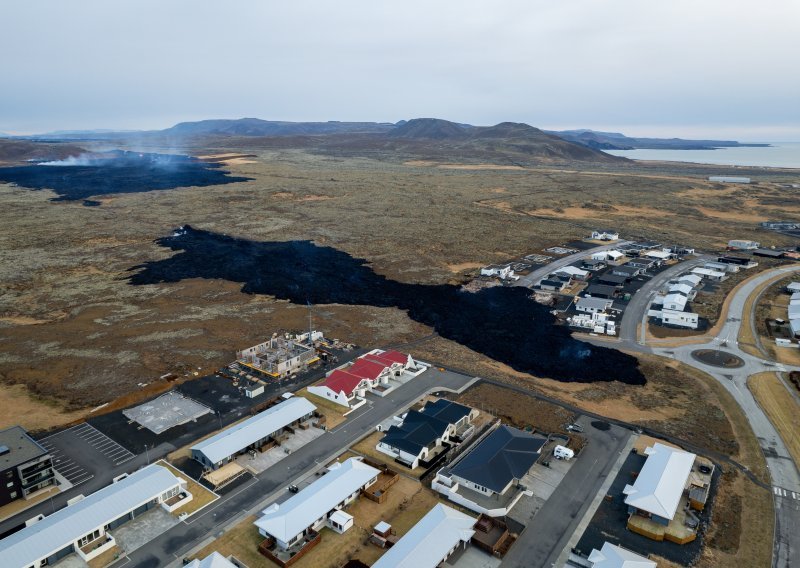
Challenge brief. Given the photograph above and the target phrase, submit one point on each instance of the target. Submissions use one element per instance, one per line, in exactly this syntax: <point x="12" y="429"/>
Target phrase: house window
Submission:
<point x="10" y="484"/>
<point x="13" y="495"/>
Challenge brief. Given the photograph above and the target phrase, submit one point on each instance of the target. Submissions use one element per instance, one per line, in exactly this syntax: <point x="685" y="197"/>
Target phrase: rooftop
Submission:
<point x="292" y="517"/>
<point x="213" y="560"/>
<point x="612" y="556"/>
<point x="504" y="455"/>
<point x="233" y="439"/>
<point x="660" y="484"/>
<point x="430" y="540"/>
<point x="21" y="448"/>
<point x="51" y="534"/>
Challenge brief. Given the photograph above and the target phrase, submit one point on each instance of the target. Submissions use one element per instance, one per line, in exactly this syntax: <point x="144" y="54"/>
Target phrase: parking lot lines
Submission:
<point x="68" y="469"/>
<point x="102" y="443"/>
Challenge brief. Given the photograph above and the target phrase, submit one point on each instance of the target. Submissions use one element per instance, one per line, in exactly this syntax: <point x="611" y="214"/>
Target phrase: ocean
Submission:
<point x="778" y="155"/>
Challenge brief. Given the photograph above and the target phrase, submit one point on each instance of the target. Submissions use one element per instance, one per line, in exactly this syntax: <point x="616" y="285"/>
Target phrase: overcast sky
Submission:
<point x="723" y="68"/>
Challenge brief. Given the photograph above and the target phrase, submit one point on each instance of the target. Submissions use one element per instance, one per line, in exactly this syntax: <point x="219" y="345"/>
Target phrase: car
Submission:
<point x="293" y="489"/>
<point x="704" y="469"/>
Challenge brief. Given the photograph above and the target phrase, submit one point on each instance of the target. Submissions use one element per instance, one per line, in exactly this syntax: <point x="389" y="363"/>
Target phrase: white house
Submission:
<point x="675" y="301"/>
<point x="84" y="527"/>
<point x="738" y="244"/>
<point x="592" y="305"/>
<point x="571" y="272"/>
<point x="612" y="556"/>
<point x="502" y="271"/>
<point x="253" y="433"/>
<point x="213" y="560"/>
<point x="317" y="505"/>
<point x="680" y="318"/>
<point x="722" y="266"/>
<point x="416" y="438"/>
<point x="613" y="255"/>
<point x="431" y="541"/>
<point x="692" y="280"/>
<point x="605" y="235"/>
<point x="708" y="274"/>
<point x="348" y="383"/>
<point x="793" y="287"/>
<point x="658" y="255"/>
<point x="658" y="488"/>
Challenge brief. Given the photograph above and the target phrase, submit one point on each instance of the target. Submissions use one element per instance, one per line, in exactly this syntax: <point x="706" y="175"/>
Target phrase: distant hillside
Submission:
<point x="429" y="128"/>
<point x="15" y="151"/>
<point x="616" y="141"/>
<point x="258" y="127"/>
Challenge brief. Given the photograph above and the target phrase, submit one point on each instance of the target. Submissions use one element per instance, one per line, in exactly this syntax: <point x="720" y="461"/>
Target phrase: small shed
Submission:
<point x="340" y="521"/>
<point x="382" y="529"/>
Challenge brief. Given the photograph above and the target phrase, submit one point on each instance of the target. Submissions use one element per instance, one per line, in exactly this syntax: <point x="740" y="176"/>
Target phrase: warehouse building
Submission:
<point x="25" y="466"/>
<point x="253" y="433"/>
<point x="83" y="527"/>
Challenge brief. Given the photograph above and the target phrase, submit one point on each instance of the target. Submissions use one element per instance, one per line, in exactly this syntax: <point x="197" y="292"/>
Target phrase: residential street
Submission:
<point x="536" y="275"/>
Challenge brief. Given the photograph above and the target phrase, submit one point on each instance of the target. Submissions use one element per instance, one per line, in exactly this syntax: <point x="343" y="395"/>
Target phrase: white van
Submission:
<point x="563" y="453"/>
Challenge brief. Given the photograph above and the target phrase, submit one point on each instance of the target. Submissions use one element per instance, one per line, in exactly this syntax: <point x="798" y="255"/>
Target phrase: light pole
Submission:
<point x="147" y="454"/>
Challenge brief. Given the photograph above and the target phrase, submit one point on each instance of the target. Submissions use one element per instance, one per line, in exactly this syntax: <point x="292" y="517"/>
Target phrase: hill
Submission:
<point x="258" y="127"/>
<point x="616" y="141"/>
<point x="16" y="151"/>
<point x="428" y="128"/>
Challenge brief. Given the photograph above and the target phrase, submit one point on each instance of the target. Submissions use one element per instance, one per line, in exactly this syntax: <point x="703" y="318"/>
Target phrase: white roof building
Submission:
<point x="430" y="541"/>
<point x="660" y="484"/>
<point x="236" y="438"/>
<point x="691" y="279"/>
<point x="572" y="272"/>
<point x="681" y="288"/>
<point x="67" y="526"/>
<point x="793" y="287"/>
<point x="213" y="560"/>
<point x="708" y="273"/>
<point x="675" y="301"/>
<point x="658" y="254"/>
<point x="612" y="556"/>
<point x="287" y="520"/>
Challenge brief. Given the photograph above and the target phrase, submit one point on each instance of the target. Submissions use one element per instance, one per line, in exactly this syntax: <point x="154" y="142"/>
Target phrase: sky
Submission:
<point x="688" y="68"/>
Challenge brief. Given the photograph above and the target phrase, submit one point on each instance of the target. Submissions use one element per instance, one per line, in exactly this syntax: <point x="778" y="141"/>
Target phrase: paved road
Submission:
<point x="173" y="545"/>
<point x="536" y="275"/>
<point x="546" y="537"/>
<point x="783" y="471"/>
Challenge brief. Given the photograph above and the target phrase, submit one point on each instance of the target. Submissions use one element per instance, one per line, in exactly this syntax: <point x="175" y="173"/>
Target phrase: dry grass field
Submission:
<point x="781" y="407"/>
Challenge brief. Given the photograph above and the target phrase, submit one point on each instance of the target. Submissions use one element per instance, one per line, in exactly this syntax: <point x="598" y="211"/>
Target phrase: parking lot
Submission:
<point x="167" y="411"/>
<point x="82" y="450"/>
<point x="262" y="461"/>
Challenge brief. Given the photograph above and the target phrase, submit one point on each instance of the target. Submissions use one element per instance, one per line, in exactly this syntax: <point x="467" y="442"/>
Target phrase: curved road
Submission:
<point x="783" y="470"/>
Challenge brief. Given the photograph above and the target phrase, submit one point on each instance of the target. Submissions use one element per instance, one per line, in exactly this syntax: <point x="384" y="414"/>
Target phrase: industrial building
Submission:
<point x="84" y="527"/>
<point x="253" y="433"/>
<point x="431" y="541"/>
<point x="320" y="504"/>
<point x="279" y="356"/>
<point x="25" y="466"/>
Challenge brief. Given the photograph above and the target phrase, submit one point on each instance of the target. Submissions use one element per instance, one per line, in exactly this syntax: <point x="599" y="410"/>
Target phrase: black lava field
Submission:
<point x="501" y="322"/>
<point x="116" y="172"/>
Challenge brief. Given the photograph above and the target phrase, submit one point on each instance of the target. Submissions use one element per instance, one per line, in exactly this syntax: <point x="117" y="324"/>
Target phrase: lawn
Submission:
<point x="333" y="413"/>
<point x="200" y="495"/>
<point x="366" y="447"/>
<point x="406" y="503"/>
<point x="781" y="408"/>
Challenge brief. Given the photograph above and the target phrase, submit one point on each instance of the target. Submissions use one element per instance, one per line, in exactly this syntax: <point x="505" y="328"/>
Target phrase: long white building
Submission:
<point x="84" y="527"/>
<point x="315" y="505"/>
<point x="254" y="432"/>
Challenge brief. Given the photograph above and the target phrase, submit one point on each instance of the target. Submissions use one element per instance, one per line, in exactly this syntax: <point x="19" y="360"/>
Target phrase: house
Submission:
<point x="626" y="270"/>
<point x="571" y="272"/>
<point x="431" y="541"/>
<point x="692" y="280"/>
<point x="780" y="225"/>
<point x="490" y="469"/>
<point x="25" y="466"/>
<point x="612" y="255"/>
<point x="658" y="488"/>
<point x="738" y="244"/>
<point x="678" y="250"/>
<point x="610" y="279"/>
<point x="253" y="433"/>
<point x="793" y="287"/>
<point x="501" y="271"/>
<point x="348" y="383"/>
<point x="793" y="311"/>
<point x="85" y="526"/>
<point x="279" y="357"/>
<point x="213" y="560"/>
<point x="641" y="263"/>
<point x="601" y="291"/>
<point x="743" y="262"/>
<point x="675" y="301"/>
<point x="679" y="318"/>
<point x="317" y="505"/>
<point x="708" y="274"/>
<point x="605" y="235"/>
<point x="594" y="264"/>
<point x="418" y="436"/>
<point x="592" y="305"/>
<point x="612" y="556"/>
<point x="658" y="255"/>
<point x="552" y="284"/>
<point x="721" y="266"/>
<point x="769" y="253"/>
